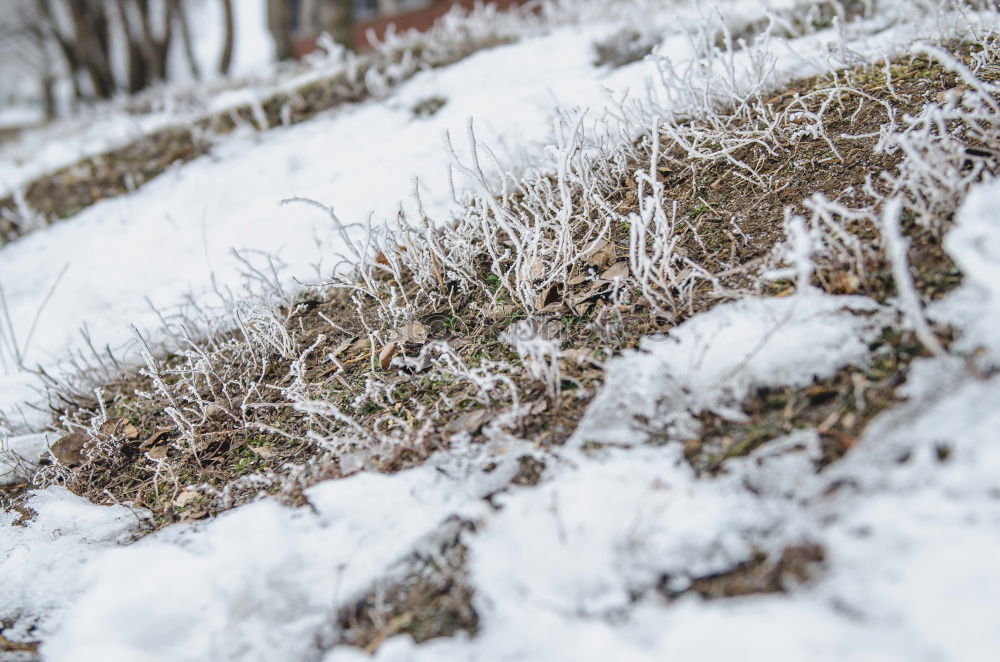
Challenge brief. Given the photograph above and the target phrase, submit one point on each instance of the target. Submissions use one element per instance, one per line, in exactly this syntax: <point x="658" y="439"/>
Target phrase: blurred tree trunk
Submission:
<point x="226" y="59"/>
<point x="138" y="72"/>
<point x="156" y="46"/>
<point x="66" y="46"/>
<point x="279" y="22"/>
<point x="180" y="15"/>
<point x="337" y="18"/>
<point x="88" y="35"/>
<point x="91" y="39"/>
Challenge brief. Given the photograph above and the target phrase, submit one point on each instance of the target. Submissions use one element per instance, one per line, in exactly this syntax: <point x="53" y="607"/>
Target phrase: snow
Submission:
<point x="566" y="570"/>
<point x="261" y="581"/>
<point x="714" y="360"/>
<point x="42" y="563"/>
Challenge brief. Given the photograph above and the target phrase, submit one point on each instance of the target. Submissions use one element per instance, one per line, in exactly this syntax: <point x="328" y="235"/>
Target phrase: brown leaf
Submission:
<point x="596" y="289"/>
<point x="957" y="91"/>
<point x="186" y="497"/>
<point x="68" y="449"/>
<point x="119" y="428"/>
<point x="503" y="311"/>
<point x="343" y="346"/>
<point x="470" y="422"/>
<point x="216" y="412"/>
<point x="157" y="453"/>
<point x="536" y="269"/>
<point x="359" y="345"/>
<point x="157" y="436"/>
<point x="19" y="646"/>
<point x="628" y="202"/>
<point x="548" y="297"/>
<point x="845" y="283"/>
<point x="263" y="452"/>
<point x="579" y="356"/>
<point x="601" y="255"/>
<point x="414" y="332"/>
<point x="385" y="356"/>
<point x="617" y="270"/>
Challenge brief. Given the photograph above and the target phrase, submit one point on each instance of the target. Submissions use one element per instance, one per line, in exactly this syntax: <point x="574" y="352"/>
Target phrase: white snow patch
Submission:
<point x="714" y="360"/>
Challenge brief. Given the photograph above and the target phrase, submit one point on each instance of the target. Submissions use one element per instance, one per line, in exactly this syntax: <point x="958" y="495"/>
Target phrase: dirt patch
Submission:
<point x="17" y="650"/>
<point x="434" y="599"/>
<point x="796" y="565"/>
<point x="838" y="408"/>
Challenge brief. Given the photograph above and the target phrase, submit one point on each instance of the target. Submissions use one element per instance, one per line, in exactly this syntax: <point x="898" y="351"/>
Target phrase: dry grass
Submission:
<point x="393" y="392"/>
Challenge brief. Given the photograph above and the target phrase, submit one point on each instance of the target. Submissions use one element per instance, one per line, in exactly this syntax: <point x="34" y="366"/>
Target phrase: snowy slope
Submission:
<point x="561" y="571"/>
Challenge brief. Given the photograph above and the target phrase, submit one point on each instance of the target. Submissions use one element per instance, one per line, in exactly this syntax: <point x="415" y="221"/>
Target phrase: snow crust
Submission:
<point x="715" y="359"/>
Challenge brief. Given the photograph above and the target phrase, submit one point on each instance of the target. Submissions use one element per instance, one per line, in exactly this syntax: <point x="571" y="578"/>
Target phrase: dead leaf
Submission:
<point x="157" y="436"/>
<point x="414" y="332"/>
<point x="957" y="91"/>
<point x="157" y="453"/>
<point x="359" y="345"/>
<point x="263" y="452"/>
<point x="343" y="346"/>
<point x="535" y="269"/>
<point x="503" y="311"/>
<point x="845" y="283"/>
<point x="576" y="280"/>
<point x="596" y="289"/>
<point x="470" y="422"/>
<point x="119" y="428"/>
<point x="68" y="449"/>
<point x="186" y="497"/>
<point x="580" y="356"/>
<point x="385" y="356"/>
<point x="216" y="412"/>
<point x="552" y="308"/>
<point x="18" y="646"/>
<point x="628" y="202"/>
<point x="548" y="297"/>
<point x="847" y="441"/>
<point x="601" y="255"/>
<point x="617" y="270"/>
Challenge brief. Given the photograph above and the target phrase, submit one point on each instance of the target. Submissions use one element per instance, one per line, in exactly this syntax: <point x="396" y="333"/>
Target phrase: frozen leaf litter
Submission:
<point x="612" y="544"/>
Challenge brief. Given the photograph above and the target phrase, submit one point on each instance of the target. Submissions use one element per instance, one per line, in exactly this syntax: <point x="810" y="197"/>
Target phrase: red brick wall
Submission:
<point x="419" y="19"/>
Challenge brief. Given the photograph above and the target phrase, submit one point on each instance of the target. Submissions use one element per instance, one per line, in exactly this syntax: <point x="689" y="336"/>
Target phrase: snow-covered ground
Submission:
<point x="560" y="571"/>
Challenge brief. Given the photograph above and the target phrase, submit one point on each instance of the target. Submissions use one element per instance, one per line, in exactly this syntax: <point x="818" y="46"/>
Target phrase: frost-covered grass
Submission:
<point x="712" y="344"/>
